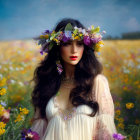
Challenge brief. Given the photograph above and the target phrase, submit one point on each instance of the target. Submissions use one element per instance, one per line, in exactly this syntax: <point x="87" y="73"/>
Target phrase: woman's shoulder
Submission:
<point x="100" y="76"/>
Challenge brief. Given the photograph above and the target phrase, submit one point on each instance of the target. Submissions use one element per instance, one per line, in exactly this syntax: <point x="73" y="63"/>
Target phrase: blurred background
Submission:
<point x="20" y="21"/>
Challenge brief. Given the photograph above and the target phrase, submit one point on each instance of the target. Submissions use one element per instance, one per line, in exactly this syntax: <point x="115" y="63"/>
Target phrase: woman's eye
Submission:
<point x="80" y="44"/>
<point x="67" y="43"/>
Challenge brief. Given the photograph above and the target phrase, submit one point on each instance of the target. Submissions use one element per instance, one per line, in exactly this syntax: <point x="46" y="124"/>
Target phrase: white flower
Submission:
<point x="1" y="76"/>
<point x="5" y="69"/>
<point x="138" y="66"/>
<point x="16" y="69"/>
<point x="75" y="27"/>
<point x="104" y="32"/>
<point x="88" y="28"/>
<point x="3" y="103"/>
<point x="80" y="29"/>
<point x="12" y="81"/>
<point x="11" y="68"/>
<point x="83" y="31"/>
<point x="20" y="83"/>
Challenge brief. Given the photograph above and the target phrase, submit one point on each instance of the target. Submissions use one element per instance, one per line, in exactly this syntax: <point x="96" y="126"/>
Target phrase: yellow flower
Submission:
<point x="98" y="46"/>
<point x="2" y="125"/>
<point x="2" y="82"/>
<point x="130" y="138"/>
<point x="121" y="125"/>
<point x="41" y="36"/>
<point x="2" y="131"/>
<point x="46" y="36"/>
<point x="129" y="105"/>
<point x="118" y="112"/>
<point x="116" y="117"/>
<point x="121" y="120"/>
<point x="2" y="91"/>
<point x="1" y="110"/>
<point x="23" y="111"/>
<point x="56" y="40"/>
<point x="117" y="104"/>
<point x="19" y="118"/>
<point x="77" y="37"/>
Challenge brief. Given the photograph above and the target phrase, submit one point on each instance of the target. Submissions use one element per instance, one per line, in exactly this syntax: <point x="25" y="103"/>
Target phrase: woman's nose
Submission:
<point x="74" y="48"/>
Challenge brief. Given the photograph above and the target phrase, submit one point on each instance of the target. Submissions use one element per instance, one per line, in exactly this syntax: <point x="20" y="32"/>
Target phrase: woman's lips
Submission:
<point x="73" y="57"/>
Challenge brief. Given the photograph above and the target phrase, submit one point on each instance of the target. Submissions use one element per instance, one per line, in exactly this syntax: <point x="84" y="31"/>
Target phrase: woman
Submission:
<point x="71" y="97"/>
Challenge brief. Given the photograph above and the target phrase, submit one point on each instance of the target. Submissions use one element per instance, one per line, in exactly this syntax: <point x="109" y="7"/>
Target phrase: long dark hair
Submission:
<point x="47" y="79"/>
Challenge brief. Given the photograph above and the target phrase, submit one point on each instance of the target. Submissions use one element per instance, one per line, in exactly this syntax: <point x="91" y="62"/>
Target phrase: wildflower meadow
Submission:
<point x="18" y="59"/>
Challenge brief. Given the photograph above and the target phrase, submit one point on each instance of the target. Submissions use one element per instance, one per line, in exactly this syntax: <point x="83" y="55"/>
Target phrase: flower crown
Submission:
<point x="91" y="37"/>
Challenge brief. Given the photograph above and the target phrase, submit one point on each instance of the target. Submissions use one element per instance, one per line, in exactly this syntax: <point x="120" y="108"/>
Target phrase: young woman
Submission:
<point x="71" y="97"/>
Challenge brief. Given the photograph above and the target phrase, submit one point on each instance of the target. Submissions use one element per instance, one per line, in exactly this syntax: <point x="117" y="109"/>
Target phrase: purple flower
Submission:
<point x="47" y="31"/>
<point x="29" y="134"/>
<point x="118" y="136"/>
<point x="41" y="52"/>
<point x="87" y="40"/>
<point x="65" y="39"/>
<point x="95" y="40"/>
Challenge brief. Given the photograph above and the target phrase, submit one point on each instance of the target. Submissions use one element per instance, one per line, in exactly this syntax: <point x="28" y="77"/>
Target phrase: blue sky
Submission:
<point x="23" y="19"/>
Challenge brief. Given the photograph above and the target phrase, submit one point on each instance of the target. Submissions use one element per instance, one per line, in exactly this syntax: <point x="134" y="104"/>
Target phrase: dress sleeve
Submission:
<point x="105" y="126"/>
<point x="39" y="124"/>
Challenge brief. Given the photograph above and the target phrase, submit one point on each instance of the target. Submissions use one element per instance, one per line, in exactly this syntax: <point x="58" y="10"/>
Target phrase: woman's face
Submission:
<point x="72" y="51"/>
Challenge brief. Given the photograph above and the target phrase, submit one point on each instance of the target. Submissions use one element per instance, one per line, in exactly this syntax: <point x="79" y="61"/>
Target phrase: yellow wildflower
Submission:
<point x="56" y="40"/>
<point x="77" y="37"/>
<point x="2" y="125"/>
<point x="117" y="104"/>
<point x="2" y="131"/>
<point x="121" y="120"/>
<point x="129" y="105"/>
<point x="19" y="118"/>
<point x="130" y="138"/>
<point x="2" y="91"/>
<point x="46" y="36"/>
<point x="23" y="111"/>
<point x="2" y="82"/>
<point x="41" y="36"/>
<point x="118" y="112"/>
<point x="1" y="110"/>
<point x="121" y="125"/>
<point x="98" y="46"/>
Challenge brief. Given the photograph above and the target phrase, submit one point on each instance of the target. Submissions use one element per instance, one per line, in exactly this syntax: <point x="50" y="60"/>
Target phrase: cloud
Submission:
<point x="132" y="24"/>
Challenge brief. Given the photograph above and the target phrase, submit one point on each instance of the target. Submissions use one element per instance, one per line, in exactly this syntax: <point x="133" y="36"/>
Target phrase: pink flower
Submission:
<point x="6" y="116"/>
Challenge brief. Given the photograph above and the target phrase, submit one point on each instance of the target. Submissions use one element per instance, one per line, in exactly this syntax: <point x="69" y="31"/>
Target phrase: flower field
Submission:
<point x="18" y="59"/>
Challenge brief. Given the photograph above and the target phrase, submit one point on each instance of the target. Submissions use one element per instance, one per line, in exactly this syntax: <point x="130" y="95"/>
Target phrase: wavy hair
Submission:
<point x="47" y="79"/>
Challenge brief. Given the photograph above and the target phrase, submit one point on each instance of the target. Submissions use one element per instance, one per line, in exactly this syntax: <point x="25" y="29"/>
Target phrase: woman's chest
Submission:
<point x="53" y="109"/>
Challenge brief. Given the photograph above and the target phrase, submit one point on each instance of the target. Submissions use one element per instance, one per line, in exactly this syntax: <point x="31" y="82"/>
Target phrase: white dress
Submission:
<point x="75" y="124"/>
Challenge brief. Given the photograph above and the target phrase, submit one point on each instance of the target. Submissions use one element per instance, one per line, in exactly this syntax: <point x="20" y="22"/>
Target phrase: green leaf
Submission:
<point x="68" y="27"/>
<point x="97" y="29"/>
<point x="75" y="31"/>
<point x="50" y="46"/>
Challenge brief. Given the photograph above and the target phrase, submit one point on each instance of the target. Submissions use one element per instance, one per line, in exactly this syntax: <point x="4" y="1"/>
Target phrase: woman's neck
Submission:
<point x="69" y="71"/>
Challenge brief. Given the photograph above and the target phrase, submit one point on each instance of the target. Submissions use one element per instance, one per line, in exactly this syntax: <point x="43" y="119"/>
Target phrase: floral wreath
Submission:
<point x="91" y="37"/>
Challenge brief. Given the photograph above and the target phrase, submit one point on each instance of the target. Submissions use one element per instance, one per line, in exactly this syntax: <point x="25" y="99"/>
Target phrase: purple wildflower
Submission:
<point x="95" y="40"/>
<point x="118" y="136"/>
<point x="41" y="52"/>
<point x="29" y="134"/>
<point x="65" y="39"/>
<point x="87" y="40"/>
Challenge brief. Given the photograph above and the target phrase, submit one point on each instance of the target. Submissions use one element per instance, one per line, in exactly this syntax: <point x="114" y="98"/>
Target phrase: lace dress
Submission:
<point x="74" y="124"/>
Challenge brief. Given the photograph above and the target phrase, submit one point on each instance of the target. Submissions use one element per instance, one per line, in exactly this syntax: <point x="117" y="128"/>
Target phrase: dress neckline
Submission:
<point x="58" y="106"/>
